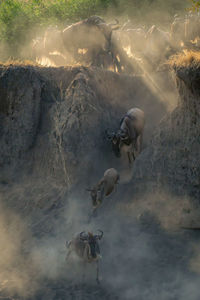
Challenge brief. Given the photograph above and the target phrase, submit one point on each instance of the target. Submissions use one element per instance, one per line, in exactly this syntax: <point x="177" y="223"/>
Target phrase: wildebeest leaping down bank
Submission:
<point x="86" y="246"/>
<point x="104" y="187"/>
<point x="128" y="138"/>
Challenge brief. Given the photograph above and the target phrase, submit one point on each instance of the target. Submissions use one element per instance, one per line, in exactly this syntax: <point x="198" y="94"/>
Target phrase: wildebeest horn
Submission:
<point x="101" y="23"/>
<point x="115" y="27"/>
<point x="113" y="24"/>
<point x="124" y="137"/>
<point x="122" y="134"/>
<point x="89" y="190"/>
<point x="99" y="236"/>
<point x="81" y="236"/>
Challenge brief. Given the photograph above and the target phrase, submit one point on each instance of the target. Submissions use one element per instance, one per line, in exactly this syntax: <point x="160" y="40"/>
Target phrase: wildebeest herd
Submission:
<point x="100" y="44"/>
<point x="129" y="140"/>
<point x="88" y="41"/>
<point x="119" y="47"/>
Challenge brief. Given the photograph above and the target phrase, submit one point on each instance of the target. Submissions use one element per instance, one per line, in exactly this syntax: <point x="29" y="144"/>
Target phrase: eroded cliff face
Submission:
<point x="171" y="162"/>
<point x="52" y="128"/>
<point x="53" y="121"/>
<point x="53" y="146"/>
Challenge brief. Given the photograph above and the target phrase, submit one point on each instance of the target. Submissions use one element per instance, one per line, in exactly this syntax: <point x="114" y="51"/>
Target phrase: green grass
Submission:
<point x="21" y="19"/>
<point x="195" y="5"/>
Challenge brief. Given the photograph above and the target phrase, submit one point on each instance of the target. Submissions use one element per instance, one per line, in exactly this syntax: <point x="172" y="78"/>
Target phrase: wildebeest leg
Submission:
<point x="114" y="65"/>
<point x="97" y="276"/>
<point x="102" y="192"/>
<point x="92" y="214"/>
<point x="83" y="272"/>
<point x="95" y="57"/>
<point x="115" y="187"/>
<point x="139" y="144"/>
<point x="118" y="65"/>
<point x="129" y="158"/>
<point x="68" y="254"/>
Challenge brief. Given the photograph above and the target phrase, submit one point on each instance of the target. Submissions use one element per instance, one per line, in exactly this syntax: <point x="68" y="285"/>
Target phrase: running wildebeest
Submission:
<point x="128" y="138"/>
<point x="133" y="39"/>
<point x="104" y="187"/>
<point x="86" y="246"/>
<point x="86" y="40"/>
<point x="89" y="41"/>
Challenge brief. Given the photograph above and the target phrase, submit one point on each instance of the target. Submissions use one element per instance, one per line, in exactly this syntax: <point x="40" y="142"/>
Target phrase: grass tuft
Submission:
<point x="17" y="62"/>
<point x="186" y="59"/>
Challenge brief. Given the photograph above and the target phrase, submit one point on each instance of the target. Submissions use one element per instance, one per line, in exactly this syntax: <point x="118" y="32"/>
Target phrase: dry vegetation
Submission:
<point x="12" y="62"/>
<point x="186" y="59"/>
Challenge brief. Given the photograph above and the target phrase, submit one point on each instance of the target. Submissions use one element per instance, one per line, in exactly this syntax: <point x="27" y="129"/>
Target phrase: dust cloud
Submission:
<point x="16" y="269"/>
<point x="146" y="254"/>
<point x="170" y="212"/>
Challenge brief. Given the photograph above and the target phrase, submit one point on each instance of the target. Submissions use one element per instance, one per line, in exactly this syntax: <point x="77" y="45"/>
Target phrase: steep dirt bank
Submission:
<point x="52" y="141"/>
<point x="171" y="161"/>
<point x="53" y="121"/>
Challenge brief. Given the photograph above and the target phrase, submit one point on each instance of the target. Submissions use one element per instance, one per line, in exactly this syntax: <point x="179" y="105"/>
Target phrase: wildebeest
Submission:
<point x="37" y="47"/>
<point x="104" y="187"/>
<point x="84" y="40"/>
<point x="128" y="138"/>
<point x="134" y="39"/>
<point x="137" y="39"/>
<point x="49" y="48"/>
<point x="52" y="40"/>
<point x="86" y="246"/>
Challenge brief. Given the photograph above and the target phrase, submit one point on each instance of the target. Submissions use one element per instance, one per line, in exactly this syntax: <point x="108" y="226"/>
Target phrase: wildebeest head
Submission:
<point x="96" y="196"/>
<point x="107" y="30"/>
<point x="115" y="139"/>
<point x="93" y="242"/>
<point x="98" y="32"/>
<point x="118" y="139"/>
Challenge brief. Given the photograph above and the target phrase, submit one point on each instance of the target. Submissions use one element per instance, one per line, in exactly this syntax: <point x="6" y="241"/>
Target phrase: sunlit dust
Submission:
<point x="45" y="61"/>
<point x="82" y="51"/>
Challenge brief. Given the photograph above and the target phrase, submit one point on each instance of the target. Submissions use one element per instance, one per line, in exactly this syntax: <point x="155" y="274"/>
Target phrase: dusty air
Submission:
<point x="99" y="150"/>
